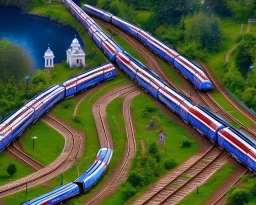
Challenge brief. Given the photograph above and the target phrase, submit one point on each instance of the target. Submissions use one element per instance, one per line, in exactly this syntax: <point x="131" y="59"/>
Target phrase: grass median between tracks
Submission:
<point x="212" y="184"/>
<point x="48" y="145"/>
<point x="22" y="169"/>
<point x="175" y="134"/>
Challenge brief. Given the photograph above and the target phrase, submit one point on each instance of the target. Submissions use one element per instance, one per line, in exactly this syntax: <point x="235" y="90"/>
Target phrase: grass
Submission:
<point x="48" y="145"/>
<point x="141" y="16"/>
<point x="221" y="100"/>
<point x="212" y="184"/>
<point x="172" y="73"/>
<point x="22" y="169"/>
<point x="231" y="30"/>
<point x="174" y="132"/>
<point x="120" y="40"/>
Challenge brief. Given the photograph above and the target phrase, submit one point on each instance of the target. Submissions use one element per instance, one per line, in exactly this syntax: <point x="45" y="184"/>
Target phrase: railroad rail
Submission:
<point x="25" y="157"/>
<point x="63" y="162"/>
<point x="192" y="92"/>
<point x="120" y="174"/>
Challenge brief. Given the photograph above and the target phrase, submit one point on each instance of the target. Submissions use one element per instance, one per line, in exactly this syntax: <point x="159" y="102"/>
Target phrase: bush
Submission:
<point x="186" y="142"/>
<point x="154" y="123"/>
<point x="253" y="190"/>
<point x="239" y="197"/>
<point x="170" y="164"/>
<point x="11" y="169"/>
<point x="153" y="149"/>
<point x="77" y="119"/>
<point x="127" y="191"/>
<point x="67" y="104"/>
<point x="135" y="179"/>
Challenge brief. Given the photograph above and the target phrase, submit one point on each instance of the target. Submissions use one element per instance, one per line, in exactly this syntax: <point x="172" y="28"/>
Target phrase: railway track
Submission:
<point x="201" y="98"/>
<point x="99" y="109"/>
<point x="63" y="162"/>
<point x="198" y="97"/>
<point x="24" y="157"/>
<point x="176" y="185"/>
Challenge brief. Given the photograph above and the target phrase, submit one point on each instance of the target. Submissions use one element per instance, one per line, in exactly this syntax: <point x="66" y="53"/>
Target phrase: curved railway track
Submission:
<point x="63" y="162"/>
<point x="197" y="96"/>
<point x="201" y="98"/>
<point x="99" y="110"/>
<point x="14" y="150"/>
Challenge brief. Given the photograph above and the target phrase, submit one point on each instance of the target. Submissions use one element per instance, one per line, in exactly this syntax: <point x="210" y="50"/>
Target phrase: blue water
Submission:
<point x="34" y="34"/>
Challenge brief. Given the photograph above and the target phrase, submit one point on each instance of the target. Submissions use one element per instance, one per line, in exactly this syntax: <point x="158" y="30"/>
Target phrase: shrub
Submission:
<point x="67" y="104"/>
<point x="153" y="149"/>
<point x="77" y="119"/>
<point x="127" y="191"/>
<point x="11" y="169"/>
<point x="239" y="197"/>
<point x="154" y="123"/>
<point x="253" y="190"/>
<point x="186" y="142"/>
<point x="135" y="179"/>
<point x="169" y="164"/>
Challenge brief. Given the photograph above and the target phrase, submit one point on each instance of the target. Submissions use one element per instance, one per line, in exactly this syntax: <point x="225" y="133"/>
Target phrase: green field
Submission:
<point x="142" y="17"/>
<point x="48" y="145"/>
<point x="22" y="169"/>
<point x="207" y="189"/>
<point x="174" y="132"/>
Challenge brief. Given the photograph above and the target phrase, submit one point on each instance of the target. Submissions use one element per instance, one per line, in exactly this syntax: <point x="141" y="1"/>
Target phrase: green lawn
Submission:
<point x="231" y="30"/>
<point x="172" y="73"/>
<point x="221" y="100"/>
<point x="142" y="17"/>
<point x="207" y="189"/>
<point x="174" y="132"/>
<point x="22" y="169"/>
<point x="48" y="145"/>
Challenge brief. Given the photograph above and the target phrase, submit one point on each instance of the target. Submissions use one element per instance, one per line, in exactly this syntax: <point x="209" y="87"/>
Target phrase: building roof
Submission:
<point x="48" y="53"/>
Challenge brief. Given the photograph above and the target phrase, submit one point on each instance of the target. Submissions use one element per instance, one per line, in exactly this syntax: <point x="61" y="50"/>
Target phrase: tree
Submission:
<point x="135" y="179"/>
<point x="239" y="197"/>
<point x="153" y="149"/>
<point x="170" y="164"/>
<point x="204" y="30"/>
<point x="11" y="169"/>
<point x="154" y="123"/>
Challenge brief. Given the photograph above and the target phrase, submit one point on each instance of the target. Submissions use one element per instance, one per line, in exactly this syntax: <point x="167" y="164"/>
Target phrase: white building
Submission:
<point x="48" y="58"/>
<point x="75" y="55"/>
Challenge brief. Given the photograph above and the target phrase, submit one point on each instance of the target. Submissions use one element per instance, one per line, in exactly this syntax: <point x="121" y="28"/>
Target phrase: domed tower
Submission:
<point x="75" y="55"/>
<point x="48" y="58"/>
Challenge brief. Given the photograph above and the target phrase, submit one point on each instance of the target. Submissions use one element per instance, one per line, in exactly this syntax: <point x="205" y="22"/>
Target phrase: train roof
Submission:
<point x="105" y="64"/>
<point x="52" y="194"/>
<point x="157" y="77"/>
<point x="213" y="115"/>
<point x="244" y="137"/>
<point x="94" y="8"/>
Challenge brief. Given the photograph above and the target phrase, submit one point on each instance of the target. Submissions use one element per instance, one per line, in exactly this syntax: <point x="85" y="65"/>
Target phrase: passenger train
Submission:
<point x="80" y="185"/>
<point x="13" y="125"/>
<point x="208" y="123"/>
<point x="188" y="69"/>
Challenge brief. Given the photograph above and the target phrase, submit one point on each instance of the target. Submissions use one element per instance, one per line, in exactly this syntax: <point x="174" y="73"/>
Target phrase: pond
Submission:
<point x="34" y="34"/>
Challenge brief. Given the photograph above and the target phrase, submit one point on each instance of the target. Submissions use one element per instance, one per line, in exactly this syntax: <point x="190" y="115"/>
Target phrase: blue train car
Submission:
<point x="176" y="101"/>
<point x="195" y="75"/>
<point x="126" y="65"/>
<point x="98" y="12"/>
<point x="95" y="172"/>
<point x="143" y="36"/>
<point x="206" y="122"/>
<point x="66" y="2"/>
<point x="110" y="48"/>
<point x="92" y="30"/>
<point x="14" y="125"/>
<point x="56" y="196"/>
<point x="128" y="27"/>
<point x="89" y="78"/>
<point x="98" y="39"/>
<point x="239" y="146"/>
